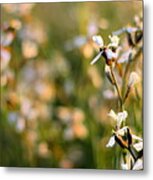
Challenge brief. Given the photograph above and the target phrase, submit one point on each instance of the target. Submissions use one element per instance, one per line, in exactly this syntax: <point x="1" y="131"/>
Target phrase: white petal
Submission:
<point x="110" y="54"/>
<point x="96" y="58"/>
<point x="98" y="40"/>
<point x="136" y="137"/>
<point x="138" y="146"/>
<point x="114" y="41"/>
<point x="111" y="142"/>
<point x="138" y="165"/>
<point x="122" y="131"/>
<point x="121" y="116"/>
<point x="112" y="114"/>
<point x="131" y="29"/>
<point x="118" y="32"/>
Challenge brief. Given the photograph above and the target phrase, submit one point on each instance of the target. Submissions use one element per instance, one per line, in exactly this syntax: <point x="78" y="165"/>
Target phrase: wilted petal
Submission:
<point x="98" y="40"/>
<point x="111" y="142"/>
<point x="138" y="165"/>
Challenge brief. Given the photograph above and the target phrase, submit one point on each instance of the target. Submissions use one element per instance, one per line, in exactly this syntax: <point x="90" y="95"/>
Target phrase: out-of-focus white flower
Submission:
<point x="98" y="40"/>
<point x="109" y="94"/>
<point x="133" y="79"/>
<point x="5" y="58"/>
<point x="111" y="142"/>
<point x="119" y="117"/>
<point x="138" y="165"/>
<point x="114" y="41"/>
<point x="29" y="49"/>
<point x="92" y="28"/>
<point x="76" y="42"/>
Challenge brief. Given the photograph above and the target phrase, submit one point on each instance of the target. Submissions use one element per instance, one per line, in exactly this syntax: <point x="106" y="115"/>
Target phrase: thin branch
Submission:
<point x="117" y="88"/>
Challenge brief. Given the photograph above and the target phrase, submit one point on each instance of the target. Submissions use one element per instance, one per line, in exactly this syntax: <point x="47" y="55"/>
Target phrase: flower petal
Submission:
<point x="96" y="58"/>
<point x="138" y="165"/>
<point x="111" y="142"/>
<point x="136" y="137"/>
<point x="98" y="40"/>
<point x="114" y="41"/>
<point x="138" y="146"/>
<point x="121" y="116"/>
<point x="112" y="114"/>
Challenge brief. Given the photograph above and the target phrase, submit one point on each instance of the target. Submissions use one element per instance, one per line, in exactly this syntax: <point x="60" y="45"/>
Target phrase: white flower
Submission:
<point x="98" y="40"/>
<point x="119" y="117"/>
<point x="133" y="79"/>
<point x="111" y="142"/>
<point x="114" y="41"/>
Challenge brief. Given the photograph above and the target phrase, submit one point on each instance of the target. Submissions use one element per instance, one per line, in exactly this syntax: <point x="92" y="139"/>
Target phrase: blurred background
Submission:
<point x="54" y="104"/>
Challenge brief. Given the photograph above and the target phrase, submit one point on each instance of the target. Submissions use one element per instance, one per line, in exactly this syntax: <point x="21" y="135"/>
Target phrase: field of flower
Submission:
<point x="71" y="85"/>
